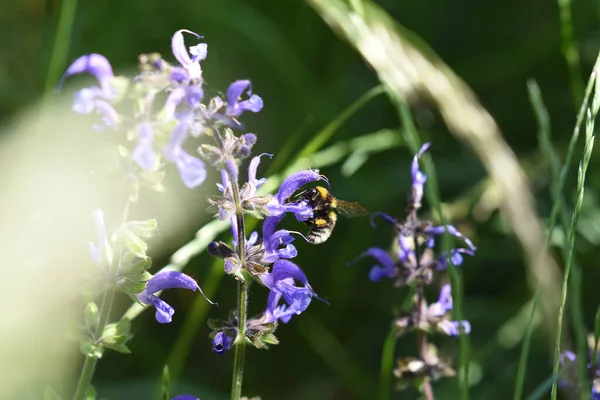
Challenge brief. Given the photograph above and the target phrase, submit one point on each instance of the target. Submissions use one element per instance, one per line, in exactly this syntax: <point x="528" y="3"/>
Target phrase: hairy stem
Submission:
<point x="240" y="341"/>
<point x="89" y="365"/>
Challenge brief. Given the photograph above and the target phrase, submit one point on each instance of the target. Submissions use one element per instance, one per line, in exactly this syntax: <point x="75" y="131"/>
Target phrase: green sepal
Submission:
<point x="92" y="315"/>
<point x="116" y="335"/>
<point x="133" y="234"/>
<point x="91" y="349"/>
<point x="90" y="393"/>
<point x="50" y="394"/>
<point x="133" y="278"/>
<point x="166" y="383"/>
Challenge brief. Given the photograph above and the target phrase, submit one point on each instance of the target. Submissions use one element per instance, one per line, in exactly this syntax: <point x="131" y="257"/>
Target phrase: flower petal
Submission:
<point x="96" y="65"/>
<point x="170" y="280"/>
<point x="418" y="177"/>
<point x="143" y="153"/>
<point x="221" y="343"/>
<point x="181" y="54"/>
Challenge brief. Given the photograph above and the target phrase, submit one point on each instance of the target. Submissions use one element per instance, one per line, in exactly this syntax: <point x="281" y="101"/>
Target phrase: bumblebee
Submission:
<point x="325" y="211"/>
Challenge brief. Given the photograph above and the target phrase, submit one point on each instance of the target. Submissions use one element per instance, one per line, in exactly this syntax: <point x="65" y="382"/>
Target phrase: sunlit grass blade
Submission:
<point x="581" y="175"/>
<point x="62" y="42"/>
<point x="387" y="365"/>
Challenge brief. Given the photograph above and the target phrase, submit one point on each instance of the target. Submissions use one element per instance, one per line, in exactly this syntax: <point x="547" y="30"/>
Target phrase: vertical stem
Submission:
<point x="89" y="365"/>
<point x="240" y="342"/>
<point x="421" y="335"/>
<point x="240" y="345"/>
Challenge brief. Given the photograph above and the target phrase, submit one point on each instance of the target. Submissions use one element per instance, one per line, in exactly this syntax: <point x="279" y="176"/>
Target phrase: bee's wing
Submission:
<point x="351" y="209"/>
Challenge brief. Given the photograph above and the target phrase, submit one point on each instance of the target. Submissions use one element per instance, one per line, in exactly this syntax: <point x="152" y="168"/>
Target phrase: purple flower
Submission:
<point x="185" y="397"/>
<point x="418" y="178"/>
<point x="97" y="66"/>
<point x="166" y="280"/>
<point x="190" y="168"/>
<point x="192" y="66"/>
<point x="280" y="203"/>
<point x="95" y="98"/>
<point x="439" y="309"/>
<point x="143" y="153"/>
<point x="236" y="106"/>
<point x="282" y="283"/>
<point x="386" y="267"/>
<point x="97" y="249"/>
<point x="221" y="342"/>
<point x="273" y="239"/>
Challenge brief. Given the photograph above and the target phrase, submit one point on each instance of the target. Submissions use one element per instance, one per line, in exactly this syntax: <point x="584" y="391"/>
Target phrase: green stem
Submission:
<point x="240" y="345"/>
<point x="89" y="365"/>
<point x="387" y="364"/>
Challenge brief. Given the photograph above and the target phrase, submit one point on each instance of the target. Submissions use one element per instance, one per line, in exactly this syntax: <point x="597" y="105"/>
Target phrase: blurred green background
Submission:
<point x="307" y="76"/>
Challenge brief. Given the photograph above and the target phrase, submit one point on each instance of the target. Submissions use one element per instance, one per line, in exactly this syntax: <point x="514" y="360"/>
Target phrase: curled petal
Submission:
<point x="96" y="65"/>
<point x="256" y="183"/>
<point x="221" y="343"/>
<point x="386" y="270"/>
<point x="438" y="230"/>
<point x="170" y="280"/>
<point x="294" y="182"/>
<point x="181" y="54"/>
<point x="144" y="154"/>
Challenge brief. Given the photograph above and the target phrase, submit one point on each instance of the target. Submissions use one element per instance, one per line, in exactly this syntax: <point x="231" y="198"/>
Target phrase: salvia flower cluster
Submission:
<point x="414" y="263"/>
<point x="158" y="114"/>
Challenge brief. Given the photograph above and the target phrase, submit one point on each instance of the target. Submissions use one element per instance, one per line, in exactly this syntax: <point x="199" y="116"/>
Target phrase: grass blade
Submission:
<point x="387" y="364"/>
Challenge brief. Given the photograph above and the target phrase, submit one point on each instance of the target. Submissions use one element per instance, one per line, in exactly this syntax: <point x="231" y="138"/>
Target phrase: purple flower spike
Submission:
<point x="166" y="280"/>
<point x="418" y="177"/>
<point x="97" y="250"/>
<point x="191" y="169"/>
<point x="181" y="54"/>
<point x="221" y="343"/>
<point x="236" y="106"/>
<point x="95" y="65"/>
<point x="144" y="154"/>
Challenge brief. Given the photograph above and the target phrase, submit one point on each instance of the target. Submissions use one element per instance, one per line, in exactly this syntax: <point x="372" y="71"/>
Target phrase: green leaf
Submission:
<point x="50" y="394"/>
<point x="91" y="350"/>
<point x="116" y="335"/>
<point x="92" y="315"/>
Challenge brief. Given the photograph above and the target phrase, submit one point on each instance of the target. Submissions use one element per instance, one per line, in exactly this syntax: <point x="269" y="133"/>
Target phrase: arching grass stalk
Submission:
<point x="591" y="114"/>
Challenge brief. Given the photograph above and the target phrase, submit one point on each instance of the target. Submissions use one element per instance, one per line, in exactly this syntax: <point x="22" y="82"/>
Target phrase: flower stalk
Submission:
<point x="89" y="365"/>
